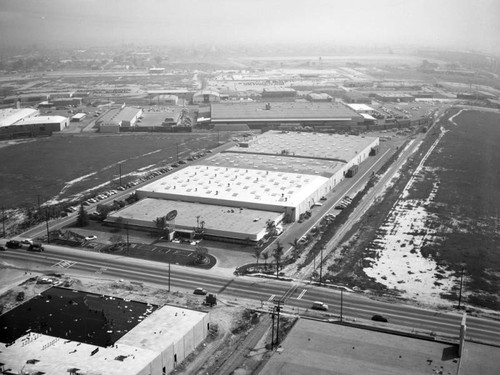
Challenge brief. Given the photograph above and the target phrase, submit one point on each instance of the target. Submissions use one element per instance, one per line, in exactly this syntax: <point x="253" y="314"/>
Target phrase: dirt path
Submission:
<point x="243" y="349"/>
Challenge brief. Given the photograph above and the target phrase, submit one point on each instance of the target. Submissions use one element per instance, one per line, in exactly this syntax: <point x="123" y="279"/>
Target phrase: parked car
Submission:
<point x="27" y="241"/>
<point x="91" y="238"/>
<point x="2" y="248"/>
<point x="200" y="291"/>
<point x="317" y="305"/>
<point x="379" y="318"/>
<point x="13" y="244"/>
<point x="182" y="162"/>
<point x="36" y="247"/>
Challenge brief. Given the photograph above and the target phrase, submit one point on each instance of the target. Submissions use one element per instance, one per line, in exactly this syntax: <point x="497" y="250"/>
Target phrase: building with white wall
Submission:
<point x="279" y="174"/>
<point x="153" y="347"/>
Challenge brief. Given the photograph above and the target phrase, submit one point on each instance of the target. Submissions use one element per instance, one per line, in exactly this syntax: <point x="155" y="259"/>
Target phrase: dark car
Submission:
<point x="200" y="291"/>
<point x="2" y="248"/>
<point x="13" y="244"/>
<point x="36" y="247"/>
<point x="379" y="318"/>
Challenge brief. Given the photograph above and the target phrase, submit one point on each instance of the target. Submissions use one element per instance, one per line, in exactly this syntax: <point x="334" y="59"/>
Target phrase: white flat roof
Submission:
<point x="276" y="163"/>
<point x="165" y="326"/>
<point x="138" y="347"/>
<point x="217" y="218"/>
<point x="238" y="184"/>
<point x="310" y="145"/>
<point x="42" y="120"/>
<point x="10" y="116"/>
<point x="360" y="107"/>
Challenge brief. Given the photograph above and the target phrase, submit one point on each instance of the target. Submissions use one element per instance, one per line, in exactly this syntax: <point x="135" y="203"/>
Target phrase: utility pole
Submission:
<point x="120" y="168"/>
<point x="169" y="277"/>
<point x="321" y="266"/>
<point x="341" y="302"/>
<point x="278" y="308"/>
<point x="47" y="223"/>
<point x="3" y="220"/>
<point x="272" y="331"/>
<point x="128" y="249"/>
<point x="461" y="283"/>
<point x="177" y="146"/>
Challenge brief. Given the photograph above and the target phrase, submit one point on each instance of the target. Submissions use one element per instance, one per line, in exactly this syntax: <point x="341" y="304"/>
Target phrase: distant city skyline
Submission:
<point x="457" y="24"/>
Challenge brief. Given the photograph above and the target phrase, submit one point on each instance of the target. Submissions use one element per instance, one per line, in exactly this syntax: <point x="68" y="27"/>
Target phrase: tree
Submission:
<point x="201" y="253"/>
<point x="270" y="227"/>
<point x="103" y="210"/>
<point x="82" y="219"/>
<point x="277" y="254"/>
<point x="265" y="256"/>
<point x="161" y="224"/>
<point x="257" y="255"/>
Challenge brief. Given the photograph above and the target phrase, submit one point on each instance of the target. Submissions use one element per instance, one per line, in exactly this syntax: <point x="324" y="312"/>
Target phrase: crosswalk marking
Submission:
<point x="302" y="294"/>
<point x="271" y="298"/>
<point x="64" y="264"/>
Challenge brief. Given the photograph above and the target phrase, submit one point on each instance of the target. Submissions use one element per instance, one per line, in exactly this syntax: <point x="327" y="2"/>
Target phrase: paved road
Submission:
<point x="257" y="292"/>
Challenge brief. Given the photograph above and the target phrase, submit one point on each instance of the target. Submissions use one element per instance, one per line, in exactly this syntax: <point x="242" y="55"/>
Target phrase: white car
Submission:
<point x="90" y="238"/>
<point x="27" y="241"/>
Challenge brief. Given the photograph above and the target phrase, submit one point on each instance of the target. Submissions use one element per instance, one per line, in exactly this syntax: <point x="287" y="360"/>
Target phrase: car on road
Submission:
<point x="13" y="244"/>
<point x="200" y="291"/>
<point x="318" y="305"/>
<point x="27" y="241"/>
<point x="379" y="318"/>
<point x="36" y="247"/>
<point x="2" y="248"/>
<point x="91" y="238"/>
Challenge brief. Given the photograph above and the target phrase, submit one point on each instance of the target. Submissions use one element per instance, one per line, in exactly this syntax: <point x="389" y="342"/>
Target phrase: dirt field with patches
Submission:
<point x="439" y="215"/>
<point x="65" y="165"/>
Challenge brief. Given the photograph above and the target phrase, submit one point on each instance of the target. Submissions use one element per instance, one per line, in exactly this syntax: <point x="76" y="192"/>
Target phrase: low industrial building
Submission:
<point x="285" y="115"/>
<point x="23" y="123"/>
<point x="280" y="94"/>
<point x="219" y="222"/>
<point x="392" y="96"/>
<point x="356" y="97"/>
<point x="117" y="118"/>
<point x="322" y="97"/>
<point x="277" y="176"/>
<point x="160" y="341"/>
<point x="205" y="97"/>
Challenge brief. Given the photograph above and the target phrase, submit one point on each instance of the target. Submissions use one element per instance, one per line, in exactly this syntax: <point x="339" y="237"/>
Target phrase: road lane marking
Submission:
<point x="271" y="298"/>
<point x="302" y="294"/>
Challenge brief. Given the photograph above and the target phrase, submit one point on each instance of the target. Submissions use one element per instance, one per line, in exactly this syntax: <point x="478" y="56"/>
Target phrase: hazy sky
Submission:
<point x="467" y="24"/>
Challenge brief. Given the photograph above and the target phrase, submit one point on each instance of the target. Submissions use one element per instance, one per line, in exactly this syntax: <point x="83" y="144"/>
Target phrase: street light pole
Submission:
<point x="321" y="267"/>
<point x="47" y="223"/>
<point x="461" y="283"/>
<point x="177" y="146"/>
<point x="120" y="167"/>
<point x="3" y="220"/>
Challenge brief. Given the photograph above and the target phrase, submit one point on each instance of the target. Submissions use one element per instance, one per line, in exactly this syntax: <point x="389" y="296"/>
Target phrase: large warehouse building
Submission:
<point x="277" y="176"/>
<point x="25" y="122"/>
<point x="158" y="341"/>
<point x="285" y="115"/>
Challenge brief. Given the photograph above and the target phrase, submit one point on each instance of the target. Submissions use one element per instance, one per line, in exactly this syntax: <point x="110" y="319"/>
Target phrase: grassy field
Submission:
<point x="64" y="165"/>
